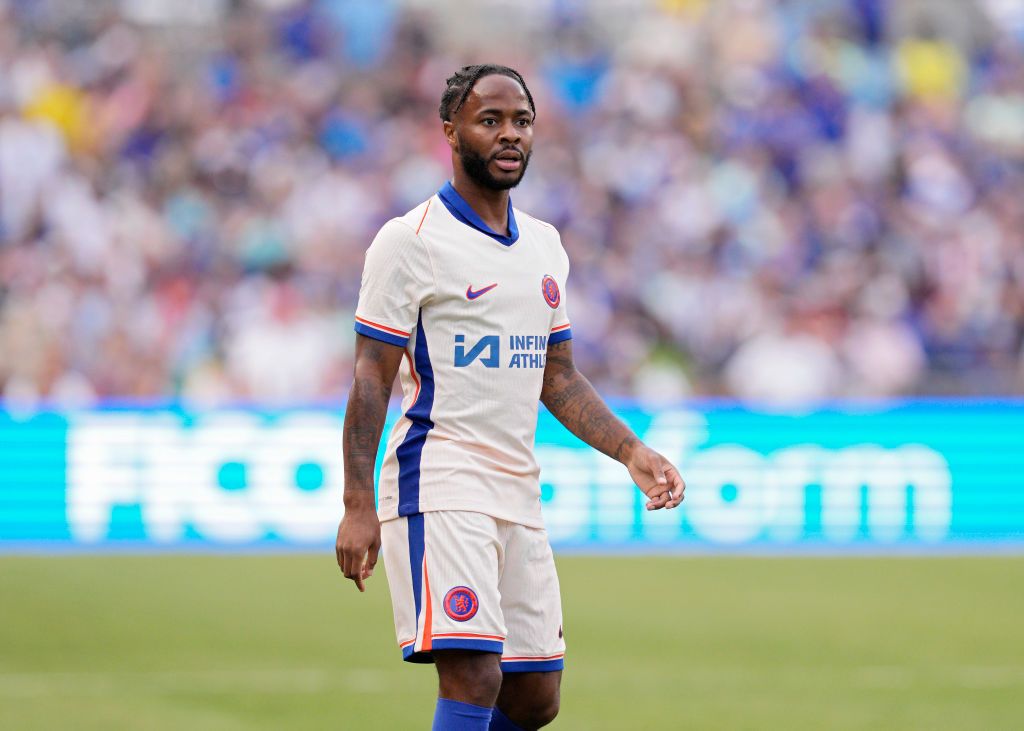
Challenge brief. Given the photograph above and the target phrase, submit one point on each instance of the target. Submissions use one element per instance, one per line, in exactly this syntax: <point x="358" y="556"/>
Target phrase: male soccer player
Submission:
<point x="471" y="293"/>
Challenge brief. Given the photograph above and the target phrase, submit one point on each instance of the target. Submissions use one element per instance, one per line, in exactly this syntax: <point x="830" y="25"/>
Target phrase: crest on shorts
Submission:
<point x="549" y="288"/>
<point x="461" y="603"/>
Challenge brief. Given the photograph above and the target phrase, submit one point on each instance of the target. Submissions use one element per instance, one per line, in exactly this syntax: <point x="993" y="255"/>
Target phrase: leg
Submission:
<point x="443" y="568"/>
<point x="532" y="660"/>
<point x="468" y="684"/>
<point x="529" y="700"/>
<point x="468" y="677"/>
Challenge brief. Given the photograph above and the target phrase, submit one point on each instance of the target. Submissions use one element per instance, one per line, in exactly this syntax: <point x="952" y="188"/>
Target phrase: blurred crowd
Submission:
<point x="773" y="200"/>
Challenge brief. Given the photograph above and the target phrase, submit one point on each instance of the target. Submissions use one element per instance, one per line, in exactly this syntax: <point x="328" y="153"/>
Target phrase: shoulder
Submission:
<point x="405" y="230"/>
<point x="416" y="219"/>
<point x="540" y="228"/>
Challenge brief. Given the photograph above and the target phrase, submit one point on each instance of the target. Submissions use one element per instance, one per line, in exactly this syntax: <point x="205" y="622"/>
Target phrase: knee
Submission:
<point x="535" y="713"/>
<point x="469" y="679"/>
<point x="542" y="713"/>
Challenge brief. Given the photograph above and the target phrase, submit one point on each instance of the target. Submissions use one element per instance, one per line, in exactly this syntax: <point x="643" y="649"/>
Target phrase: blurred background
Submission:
<point x="784" y="201"/>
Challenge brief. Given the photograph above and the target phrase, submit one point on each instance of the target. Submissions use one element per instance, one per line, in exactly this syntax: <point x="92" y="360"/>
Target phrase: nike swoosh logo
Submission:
<point x="471" y="295"/>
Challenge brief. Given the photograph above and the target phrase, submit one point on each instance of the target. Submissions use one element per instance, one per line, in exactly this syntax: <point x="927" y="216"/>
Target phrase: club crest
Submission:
<point x="549" y="288"/>
<point x="461" y="603"/>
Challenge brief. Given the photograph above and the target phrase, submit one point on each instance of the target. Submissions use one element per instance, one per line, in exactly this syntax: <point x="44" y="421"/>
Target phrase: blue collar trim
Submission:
<point x="458" y="207"/>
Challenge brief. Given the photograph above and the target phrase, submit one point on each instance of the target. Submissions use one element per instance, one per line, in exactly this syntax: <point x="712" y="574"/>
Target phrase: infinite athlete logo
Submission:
<point x="549" y="288"/>
<point x="461" y="603"/>
<point x="471" y="295"/>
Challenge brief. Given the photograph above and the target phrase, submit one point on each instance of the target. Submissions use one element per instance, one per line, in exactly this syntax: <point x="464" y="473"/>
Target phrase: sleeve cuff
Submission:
<point x="560" y="333"/>
<point x="381" y="332"/>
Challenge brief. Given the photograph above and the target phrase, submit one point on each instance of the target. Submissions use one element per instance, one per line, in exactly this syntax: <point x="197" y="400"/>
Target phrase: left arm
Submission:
<point x="569" y="396"/>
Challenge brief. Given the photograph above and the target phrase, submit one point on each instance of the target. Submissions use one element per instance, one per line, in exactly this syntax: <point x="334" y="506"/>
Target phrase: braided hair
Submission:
<point x="462" y="82"/>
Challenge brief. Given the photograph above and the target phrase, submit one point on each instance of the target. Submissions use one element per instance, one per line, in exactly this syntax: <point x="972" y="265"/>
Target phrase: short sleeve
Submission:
<point x="397" y="279"/>
<point x="560" y="326"/>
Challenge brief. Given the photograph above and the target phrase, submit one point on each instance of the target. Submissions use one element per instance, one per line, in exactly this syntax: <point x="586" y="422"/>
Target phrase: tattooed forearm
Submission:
<point x="569" y="396"/>
<point x="376" y="366"/>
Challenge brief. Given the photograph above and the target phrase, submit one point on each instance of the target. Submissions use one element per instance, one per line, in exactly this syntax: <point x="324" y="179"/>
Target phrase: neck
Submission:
<point x="491" y="205"/>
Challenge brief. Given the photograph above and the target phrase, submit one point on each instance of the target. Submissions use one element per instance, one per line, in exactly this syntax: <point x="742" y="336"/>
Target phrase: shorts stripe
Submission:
<point x="427" y="613"/>
<point x="499" y="638"/>
<point x="531" y="666"/>
<point x="534" y="659"/>
<point x="465" y="643"/>
<point x="414" y="524"/>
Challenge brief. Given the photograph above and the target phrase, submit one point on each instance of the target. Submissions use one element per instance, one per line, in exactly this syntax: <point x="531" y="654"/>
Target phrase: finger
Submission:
<point x="658" y="501"/>
<point x="371" y="559"/>
<point x="356" y="571"/>
<point x="678" y="488"/>
<point x="353" y="567"/>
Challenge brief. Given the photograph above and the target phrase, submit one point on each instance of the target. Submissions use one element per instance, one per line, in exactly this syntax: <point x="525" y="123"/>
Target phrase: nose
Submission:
<point x="509" y="133"/>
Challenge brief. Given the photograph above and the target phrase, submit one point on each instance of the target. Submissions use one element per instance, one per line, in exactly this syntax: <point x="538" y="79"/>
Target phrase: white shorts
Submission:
<point x="462" y="580"/>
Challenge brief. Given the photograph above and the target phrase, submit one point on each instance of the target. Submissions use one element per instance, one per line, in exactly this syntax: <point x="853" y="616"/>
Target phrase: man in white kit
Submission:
<point x="470" y="292"/>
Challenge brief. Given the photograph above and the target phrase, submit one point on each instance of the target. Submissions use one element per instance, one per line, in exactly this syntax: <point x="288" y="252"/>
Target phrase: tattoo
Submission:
<point x="570" y="397"/>
<point x="376" y="367"/>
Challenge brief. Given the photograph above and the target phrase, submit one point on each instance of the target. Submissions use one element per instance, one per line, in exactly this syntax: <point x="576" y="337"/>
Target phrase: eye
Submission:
<point x="489" y="122"/>
<point x="523" y="122"/>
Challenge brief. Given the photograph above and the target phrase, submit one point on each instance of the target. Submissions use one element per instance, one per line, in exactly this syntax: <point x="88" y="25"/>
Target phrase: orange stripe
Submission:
<point x="560" y="327"/>
<point x="424" y="216"/>
<point x="412" y="372"/>
<point x="427" y="635"/>
<point x="471" y="634"/>
<point x="549" y="657"/>
<point x="405" y="644"/>
<point x="382" y="327"/>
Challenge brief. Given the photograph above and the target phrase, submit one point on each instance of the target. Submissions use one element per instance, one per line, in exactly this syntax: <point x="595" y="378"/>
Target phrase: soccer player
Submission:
<point x="470" y="292"/>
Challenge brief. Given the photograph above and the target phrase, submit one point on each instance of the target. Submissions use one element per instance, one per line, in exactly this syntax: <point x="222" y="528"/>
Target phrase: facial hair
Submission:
<point x="475" y="166"/>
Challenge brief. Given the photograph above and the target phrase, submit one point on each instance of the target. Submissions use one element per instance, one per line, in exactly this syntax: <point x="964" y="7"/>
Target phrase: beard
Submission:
<point x="476" y="164"/>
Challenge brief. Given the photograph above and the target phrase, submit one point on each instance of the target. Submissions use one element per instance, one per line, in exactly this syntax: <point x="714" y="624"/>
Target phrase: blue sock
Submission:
<point x="458" y="716"/>
<point x="500" y="722"/>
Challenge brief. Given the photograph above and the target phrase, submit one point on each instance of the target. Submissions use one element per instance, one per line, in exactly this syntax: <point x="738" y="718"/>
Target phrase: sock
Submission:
<point x="500" y="722"/>
<point x="457" y="716"/>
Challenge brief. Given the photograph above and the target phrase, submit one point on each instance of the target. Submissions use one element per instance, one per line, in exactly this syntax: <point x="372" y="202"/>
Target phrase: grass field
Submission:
<point x="282" y="642"/>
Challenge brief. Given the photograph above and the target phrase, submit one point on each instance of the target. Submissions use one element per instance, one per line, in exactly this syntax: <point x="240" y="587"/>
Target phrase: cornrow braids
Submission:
<point x="462" y="82"/>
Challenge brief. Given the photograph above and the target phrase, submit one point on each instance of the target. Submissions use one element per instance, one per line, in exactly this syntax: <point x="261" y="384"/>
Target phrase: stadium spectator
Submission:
<point x="782" y="201"/>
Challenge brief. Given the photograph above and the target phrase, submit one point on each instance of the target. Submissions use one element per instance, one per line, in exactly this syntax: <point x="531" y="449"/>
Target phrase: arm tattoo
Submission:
<point x="569" y="396"/>
<point x="376" y="366"/>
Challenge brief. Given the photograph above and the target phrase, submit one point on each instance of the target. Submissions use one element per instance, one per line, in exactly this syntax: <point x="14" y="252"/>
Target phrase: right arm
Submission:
<point x="358" y="544"/>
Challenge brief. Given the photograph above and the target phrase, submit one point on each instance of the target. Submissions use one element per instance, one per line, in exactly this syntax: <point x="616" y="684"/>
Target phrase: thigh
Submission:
<point x="531" y="604"/>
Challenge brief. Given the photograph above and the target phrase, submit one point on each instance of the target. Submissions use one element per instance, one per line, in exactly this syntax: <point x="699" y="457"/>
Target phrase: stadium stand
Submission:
<point x="768" y="200"/>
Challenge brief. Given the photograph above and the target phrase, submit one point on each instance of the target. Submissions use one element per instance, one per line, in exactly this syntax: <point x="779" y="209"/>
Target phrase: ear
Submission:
<point x="451" y="136"/>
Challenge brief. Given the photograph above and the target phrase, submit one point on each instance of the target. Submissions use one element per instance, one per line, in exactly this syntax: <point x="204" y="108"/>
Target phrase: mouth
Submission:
<point x="508" y="160"/>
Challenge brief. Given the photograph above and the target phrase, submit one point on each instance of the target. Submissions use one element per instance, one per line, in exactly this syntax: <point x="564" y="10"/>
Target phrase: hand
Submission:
<point x="656" y="477"/>
<point x="358" y="544"/>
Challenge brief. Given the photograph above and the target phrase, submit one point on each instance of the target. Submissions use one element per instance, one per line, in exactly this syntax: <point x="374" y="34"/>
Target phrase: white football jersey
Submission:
<point x="475" y="312"/>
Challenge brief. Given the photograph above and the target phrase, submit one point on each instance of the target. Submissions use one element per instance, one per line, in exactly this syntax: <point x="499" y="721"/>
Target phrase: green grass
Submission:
<point x="282" y="642"/>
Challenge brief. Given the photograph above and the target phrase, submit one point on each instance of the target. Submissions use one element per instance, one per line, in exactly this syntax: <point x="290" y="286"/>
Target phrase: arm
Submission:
<point x="569" y="396"/>
<point x="359" y="533"/>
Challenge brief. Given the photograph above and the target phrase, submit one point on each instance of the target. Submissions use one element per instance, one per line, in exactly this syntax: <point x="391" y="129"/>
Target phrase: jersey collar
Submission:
<point x="458" y="207"/>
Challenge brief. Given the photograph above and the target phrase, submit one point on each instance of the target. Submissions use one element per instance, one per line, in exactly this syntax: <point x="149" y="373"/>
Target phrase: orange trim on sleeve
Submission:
<point x="385" y="328"/>
<point x="559" y="656"/>
<point x="561" y="327"/>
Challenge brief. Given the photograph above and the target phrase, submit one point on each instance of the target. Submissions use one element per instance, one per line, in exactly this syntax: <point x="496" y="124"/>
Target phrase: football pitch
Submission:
<point x="228" y="643"/>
